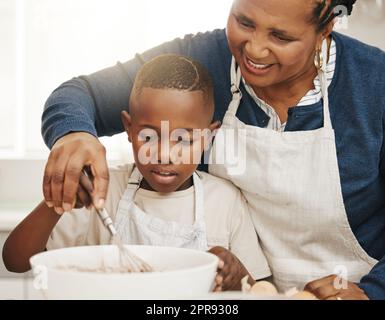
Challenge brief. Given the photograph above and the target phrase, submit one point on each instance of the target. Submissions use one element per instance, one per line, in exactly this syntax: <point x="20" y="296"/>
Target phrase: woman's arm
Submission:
<point x="382" y="155"/>
<point x="373" y="283"/>
<point x="28" y="238"/>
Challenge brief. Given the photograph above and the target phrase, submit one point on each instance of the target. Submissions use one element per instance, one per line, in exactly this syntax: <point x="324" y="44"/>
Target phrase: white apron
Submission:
<point x="136" y="227"/>
<point x="292" y="184"/>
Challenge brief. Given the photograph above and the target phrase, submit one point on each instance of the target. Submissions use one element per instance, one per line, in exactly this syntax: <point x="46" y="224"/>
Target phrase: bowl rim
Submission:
<point x="55" y="270"/>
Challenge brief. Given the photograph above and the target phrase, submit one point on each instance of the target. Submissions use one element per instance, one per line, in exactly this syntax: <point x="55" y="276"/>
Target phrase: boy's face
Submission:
<point x="166" y="128"/>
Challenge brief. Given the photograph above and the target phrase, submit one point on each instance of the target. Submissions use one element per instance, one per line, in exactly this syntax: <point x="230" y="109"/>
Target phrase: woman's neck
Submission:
<point x="287" y="94"/>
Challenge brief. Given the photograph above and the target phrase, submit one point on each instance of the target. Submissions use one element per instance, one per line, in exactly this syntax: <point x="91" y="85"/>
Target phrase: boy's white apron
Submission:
<point x="136" y="227"/>
<point x="292" y="184"/>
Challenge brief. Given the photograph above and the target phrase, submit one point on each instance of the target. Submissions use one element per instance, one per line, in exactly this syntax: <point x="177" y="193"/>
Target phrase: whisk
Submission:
<point x="129" y="261"/>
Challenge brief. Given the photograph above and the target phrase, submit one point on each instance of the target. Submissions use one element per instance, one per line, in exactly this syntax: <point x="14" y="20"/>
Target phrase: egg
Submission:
<point x="263" y="288"/>
<point x="304" y="295"/>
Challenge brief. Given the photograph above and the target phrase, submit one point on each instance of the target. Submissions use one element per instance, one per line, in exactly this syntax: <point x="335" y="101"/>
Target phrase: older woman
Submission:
<point x="311" y="103"/>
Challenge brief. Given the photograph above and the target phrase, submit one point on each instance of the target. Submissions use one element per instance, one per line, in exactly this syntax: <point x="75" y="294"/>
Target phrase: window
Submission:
<point x="46" y="42"/>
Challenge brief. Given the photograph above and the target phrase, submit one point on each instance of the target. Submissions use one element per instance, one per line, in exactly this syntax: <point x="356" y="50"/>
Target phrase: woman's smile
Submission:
<point x="255" y="68"/>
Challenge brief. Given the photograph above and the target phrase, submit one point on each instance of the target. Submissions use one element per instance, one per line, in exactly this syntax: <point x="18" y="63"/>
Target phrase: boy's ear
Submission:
<point x="126" y="119"/>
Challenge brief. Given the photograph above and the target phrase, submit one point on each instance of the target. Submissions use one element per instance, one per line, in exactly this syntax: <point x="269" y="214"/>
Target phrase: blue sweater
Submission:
<point x="357" y="103"/>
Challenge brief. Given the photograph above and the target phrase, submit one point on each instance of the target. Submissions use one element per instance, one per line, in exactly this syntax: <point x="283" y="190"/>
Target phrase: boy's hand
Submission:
<point x="64" y="167"/>
<point x="326" y="289"/>
<point x="230" y="270"/>
<point x="85" y="191"/>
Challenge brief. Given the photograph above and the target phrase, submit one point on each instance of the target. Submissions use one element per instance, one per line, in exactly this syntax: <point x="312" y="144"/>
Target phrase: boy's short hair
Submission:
<point x="172" y="71"/>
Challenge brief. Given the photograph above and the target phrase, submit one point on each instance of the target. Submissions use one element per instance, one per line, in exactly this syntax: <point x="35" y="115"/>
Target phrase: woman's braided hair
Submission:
<point x="326" y="10"/>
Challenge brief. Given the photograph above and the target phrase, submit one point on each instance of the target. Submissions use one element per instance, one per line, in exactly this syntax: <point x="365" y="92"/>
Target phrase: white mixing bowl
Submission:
<point x="183" y="273"/>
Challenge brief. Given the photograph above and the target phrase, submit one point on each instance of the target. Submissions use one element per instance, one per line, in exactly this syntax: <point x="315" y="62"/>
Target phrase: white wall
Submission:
<point x="45" y="42"/>
<point x="367" y="22"/>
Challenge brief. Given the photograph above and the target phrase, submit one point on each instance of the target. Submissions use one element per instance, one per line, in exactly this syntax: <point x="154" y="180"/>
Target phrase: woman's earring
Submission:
<point x="318" y="60"/>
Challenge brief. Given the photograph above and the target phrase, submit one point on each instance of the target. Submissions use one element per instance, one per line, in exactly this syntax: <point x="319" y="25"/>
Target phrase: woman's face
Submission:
<point x="272" y="41"/>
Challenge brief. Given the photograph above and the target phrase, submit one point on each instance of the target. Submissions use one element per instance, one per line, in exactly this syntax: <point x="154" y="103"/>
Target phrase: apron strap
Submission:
<point x="135" y="177"/>
<point x="133" y="184"/>
<point x="199" y="200"/>
<point x="322" y="74"/>
<point x="199" y="212"/>
<point x="236" y="76"/>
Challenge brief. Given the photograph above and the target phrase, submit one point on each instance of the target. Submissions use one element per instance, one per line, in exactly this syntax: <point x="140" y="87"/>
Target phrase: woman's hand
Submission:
<point x="326" y="289"/>
<point x="63" y="171"/>
<point x="230" y="270"/>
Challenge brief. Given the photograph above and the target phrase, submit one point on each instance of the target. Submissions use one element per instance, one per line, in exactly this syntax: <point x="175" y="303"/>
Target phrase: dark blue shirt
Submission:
<point x="357" y="103"/>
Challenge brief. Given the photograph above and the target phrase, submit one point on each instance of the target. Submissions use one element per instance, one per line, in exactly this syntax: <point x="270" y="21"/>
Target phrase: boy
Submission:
<point x="160" y="200"/>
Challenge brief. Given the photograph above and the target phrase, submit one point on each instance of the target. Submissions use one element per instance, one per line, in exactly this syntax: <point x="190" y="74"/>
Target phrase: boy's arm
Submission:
<point x="29" y="237"/>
